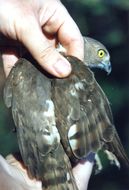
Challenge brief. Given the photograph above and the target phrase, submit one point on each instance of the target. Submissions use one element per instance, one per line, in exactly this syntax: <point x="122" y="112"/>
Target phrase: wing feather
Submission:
<point x="58" y="120"/>
<point x="84" y="115"/>
<point x="38" y="137"/>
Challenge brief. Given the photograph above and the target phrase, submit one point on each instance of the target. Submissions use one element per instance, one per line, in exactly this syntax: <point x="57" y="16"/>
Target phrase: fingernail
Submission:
<point x="62" y="67"/>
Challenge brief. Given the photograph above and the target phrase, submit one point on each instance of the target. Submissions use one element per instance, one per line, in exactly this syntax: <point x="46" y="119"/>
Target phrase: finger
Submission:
<point x="68" y="33"/>
<point x="9" y="60"/>
<point x="71" y="38"/>
<point x="6" y="180"/>
<point x="46" y="55"/>
<point x="20" y="174"/>
<point x="9" y="180"/>
<point x="10" y="51"/>
<point x="82" y="173"/>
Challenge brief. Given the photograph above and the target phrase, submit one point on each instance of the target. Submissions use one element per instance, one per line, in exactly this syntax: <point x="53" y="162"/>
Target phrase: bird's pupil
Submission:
<point x="100" y="53"/>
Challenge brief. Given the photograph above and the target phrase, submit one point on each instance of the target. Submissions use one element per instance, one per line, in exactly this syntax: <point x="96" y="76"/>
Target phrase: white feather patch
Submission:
<point x="79" y="85"/>
<point x="71" y="133"/>
<point x="50" y="111"/>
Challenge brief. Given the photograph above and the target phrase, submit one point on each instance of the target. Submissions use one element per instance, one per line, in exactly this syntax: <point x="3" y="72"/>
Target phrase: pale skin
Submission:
<point x="39" y="25"/>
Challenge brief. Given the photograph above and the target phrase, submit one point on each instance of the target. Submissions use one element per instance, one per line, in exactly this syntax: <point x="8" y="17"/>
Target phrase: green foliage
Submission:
<point x="101" y="4"/>
<point x="8" y="141"/>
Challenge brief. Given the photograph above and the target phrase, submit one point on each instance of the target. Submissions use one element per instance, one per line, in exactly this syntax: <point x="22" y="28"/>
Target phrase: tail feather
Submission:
<point x="57" y="172"/>
<point x="118" y="150"/>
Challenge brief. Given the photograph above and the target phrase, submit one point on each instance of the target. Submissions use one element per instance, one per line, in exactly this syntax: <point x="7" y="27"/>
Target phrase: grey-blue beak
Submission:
<point x="105" y="66"/>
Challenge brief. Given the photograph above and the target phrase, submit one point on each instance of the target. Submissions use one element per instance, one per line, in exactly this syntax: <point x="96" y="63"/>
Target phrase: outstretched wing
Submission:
<point x="83" y="114"/>
<point x="29" y="95"/>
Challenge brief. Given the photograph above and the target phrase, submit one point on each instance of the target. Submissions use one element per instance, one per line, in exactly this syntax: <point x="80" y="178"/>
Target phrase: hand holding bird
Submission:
<point x="60" y="122"/>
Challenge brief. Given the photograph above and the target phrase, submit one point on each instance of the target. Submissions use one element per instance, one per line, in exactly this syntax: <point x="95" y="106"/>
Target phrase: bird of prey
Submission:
<point x="61" y="121"/>
<point x="96" y="55"/>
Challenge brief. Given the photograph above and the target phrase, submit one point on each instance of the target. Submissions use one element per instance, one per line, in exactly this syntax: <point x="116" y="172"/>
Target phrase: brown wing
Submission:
<point x="83" y="114"/>
<point x="28" y="92"/>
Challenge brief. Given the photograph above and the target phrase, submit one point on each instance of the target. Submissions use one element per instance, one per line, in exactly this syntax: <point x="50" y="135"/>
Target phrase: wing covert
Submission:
<point x="87" y="118"/>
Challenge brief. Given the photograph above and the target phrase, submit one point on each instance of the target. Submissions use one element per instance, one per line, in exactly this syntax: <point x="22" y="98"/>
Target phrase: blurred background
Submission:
<point x="108" y="22"/>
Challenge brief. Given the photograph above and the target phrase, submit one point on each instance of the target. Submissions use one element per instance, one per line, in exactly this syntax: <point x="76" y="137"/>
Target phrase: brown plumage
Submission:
<point x="59" y="121"/>
<point x="83" y="115"/>
<point x="28" y="93"/>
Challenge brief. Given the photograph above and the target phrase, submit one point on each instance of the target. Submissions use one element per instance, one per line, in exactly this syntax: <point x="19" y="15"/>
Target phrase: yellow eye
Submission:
<point x="101" y="53"/>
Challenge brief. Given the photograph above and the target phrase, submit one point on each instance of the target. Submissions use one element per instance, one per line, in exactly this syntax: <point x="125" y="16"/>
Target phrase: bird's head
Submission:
<point x="96" y="55"/>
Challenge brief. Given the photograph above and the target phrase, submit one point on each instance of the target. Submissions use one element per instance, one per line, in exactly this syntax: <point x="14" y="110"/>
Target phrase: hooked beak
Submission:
<point x="105" y="66"/>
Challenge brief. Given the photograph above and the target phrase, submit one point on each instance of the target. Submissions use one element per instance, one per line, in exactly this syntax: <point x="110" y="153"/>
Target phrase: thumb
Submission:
<point x="43" y="51"/>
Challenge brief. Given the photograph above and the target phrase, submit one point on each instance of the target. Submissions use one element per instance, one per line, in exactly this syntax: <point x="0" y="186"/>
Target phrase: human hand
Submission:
<point x="13" y="175"/>
<point x="39" y="26"/>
